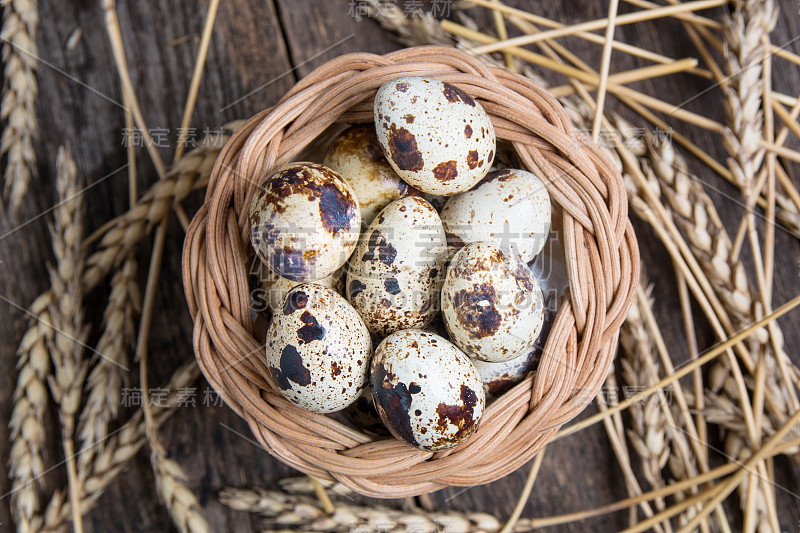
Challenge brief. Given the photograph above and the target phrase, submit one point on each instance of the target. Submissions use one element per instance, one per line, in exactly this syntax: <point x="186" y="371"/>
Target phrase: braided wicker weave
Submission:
<point x="602" y="262"/>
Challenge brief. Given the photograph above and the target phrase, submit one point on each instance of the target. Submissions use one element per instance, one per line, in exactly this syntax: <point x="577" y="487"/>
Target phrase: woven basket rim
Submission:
<point x="601" y="256"/>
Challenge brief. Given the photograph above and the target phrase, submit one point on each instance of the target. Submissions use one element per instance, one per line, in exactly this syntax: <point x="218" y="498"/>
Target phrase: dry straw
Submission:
<point x="694" y="211"/>
<point x="18" y="106"/>
<point x="598" y="237"/>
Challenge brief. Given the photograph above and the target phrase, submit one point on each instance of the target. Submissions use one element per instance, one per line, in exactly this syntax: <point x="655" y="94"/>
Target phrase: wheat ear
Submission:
<point x="110" y="372"/>
<point x="640" y="369"/>
<point x="30" y="396"/>
<point x="119" y="447"/>
<point x="694" y="211"/>
<point x="66" y="313"/>
<point x="302" y="513"/>
<point x="745" y="29"/>
<point x="18" y="107"/>
<point x="27" y="416"/>
<point x="123" y="233"/>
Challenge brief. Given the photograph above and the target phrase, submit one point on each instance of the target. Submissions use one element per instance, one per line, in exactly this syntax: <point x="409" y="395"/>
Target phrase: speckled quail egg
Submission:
<point x="498" y="378"/>
<point x="426" y="391"/>
<point x="357" y="156"/>
<point x="396" y="272"/>
<point x="304" y="222"/>
<point x="273" y="287"/>
<point x="318" y="349"/>
<point x="491" y="303"/>
<point x="435" y="136"/>
<point x="362" y="415"/>
<point x="510" y="208"/>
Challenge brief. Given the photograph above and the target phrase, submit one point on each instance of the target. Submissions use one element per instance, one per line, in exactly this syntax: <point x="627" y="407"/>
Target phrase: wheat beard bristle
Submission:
<point x="18" y="107"/>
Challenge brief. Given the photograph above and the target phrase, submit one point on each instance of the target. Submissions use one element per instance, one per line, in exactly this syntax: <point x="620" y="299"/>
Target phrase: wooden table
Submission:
<point x="259" y="49"/>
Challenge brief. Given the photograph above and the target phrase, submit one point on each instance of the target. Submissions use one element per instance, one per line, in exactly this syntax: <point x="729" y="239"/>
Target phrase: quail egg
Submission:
<point x="434" y="135"/>
<point x="396" y="272"/>
<point x="362" y="415"/>
<point x="510" y="208"/>
<point x="318" y="349"/>
<point x="492" y="304"/>
<point x="273" y="287"/>
<point x="304" y="222"/>
<point x="356" y="155"/>
<point x="426" y="391"/>
<point x="498" y="378"/>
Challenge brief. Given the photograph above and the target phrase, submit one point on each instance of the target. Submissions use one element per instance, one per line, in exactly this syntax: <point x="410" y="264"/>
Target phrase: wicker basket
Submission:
<point x="602" y="263"/>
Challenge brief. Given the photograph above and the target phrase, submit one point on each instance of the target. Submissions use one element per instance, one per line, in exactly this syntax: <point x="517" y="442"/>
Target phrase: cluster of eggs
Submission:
<point x="427" y="313"/>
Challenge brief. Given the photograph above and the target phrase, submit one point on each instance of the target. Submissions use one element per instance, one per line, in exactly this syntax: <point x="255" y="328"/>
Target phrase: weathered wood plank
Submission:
<point x="258" y="50"/>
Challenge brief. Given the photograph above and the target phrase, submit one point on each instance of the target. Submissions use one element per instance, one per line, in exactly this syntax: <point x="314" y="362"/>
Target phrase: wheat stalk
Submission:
<point x="303" y="513"/>
<point x="30" y="397"/>
<point x="694" y="211"/>
<point x="119" y="239"/>
<point x="119" y="447"/>
<point x="18" y="107"/>
<point x="126" y="231"/>
<point x="105" y="381"/>
<point x="27" y="425"/>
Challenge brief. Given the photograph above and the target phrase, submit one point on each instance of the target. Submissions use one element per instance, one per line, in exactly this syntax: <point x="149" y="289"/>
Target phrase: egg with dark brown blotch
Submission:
<point x="510" y="208"/>
<point x="426" y="391"/>
<point x="362" y="415"/>
<point x="318" y="349"/>
<point x="357" y="156"/>
<point x="395" y="275"/>
<point x="434" y="135"/>
<point x="274" y="287"/>
<point x="492" y="304"/>
<point x="304" y="222"/>
<point x="499" y="378"/>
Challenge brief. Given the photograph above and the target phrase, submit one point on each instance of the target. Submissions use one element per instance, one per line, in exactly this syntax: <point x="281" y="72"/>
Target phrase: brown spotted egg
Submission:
<point x="274" y="287"/>
<point x="492" y="304"/>
<point x="498" y="378"/>
<point x="356" y="155"/>
<point x="362" y="415"/>
<point x="396" y="272"/>
<point x="304" y="222"/>
<point x="435" y="136"/>
<point x="510" y="208"/>
<point x="318" y="349"/>
<point x="426" y="391"/>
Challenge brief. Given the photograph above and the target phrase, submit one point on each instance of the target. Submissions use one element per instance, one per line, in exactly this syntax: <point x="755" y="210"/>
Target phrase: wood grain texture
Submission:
<point x="258" y="50"/>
